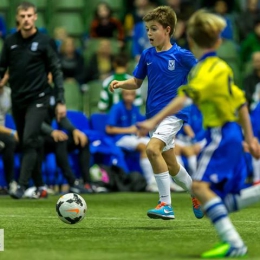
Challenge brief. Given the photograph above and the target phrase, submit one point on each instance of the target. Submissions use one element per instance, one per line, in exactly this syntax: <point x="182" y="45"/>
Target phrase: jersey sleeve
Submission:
<point x="140" y="71"/>
<point x="188" y="60"/>
<point x="196" y="89"/>
<point x="239" y="98"/>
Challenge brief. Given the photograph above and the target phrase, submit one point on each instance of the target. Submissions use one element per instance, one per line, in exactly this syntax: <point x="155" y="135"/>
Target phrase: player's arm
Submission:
<point x="113" y="130"/>
<point x="128" y="84"/>
<point x="251" y="142"/>
<point x="54" y="67"/>
<point x="188" y="130"/>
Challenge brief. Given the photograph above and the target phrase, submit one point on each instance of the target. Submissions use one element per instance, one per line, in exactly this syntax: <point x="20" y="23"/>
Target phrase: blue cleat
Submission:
<point x="197" y="208"/>
<point x="162" y="211"/>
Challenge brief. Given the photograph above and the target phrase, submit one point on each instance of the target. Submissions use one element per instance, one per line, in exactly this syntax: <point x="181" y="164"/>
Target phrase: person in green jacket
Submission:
<point x="251" y="44"/>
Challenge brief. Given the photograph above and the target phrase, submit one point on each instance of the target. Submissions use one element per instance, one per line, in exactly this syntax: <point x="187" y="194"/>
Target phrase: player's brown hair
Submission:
<point x="164" y="15"/>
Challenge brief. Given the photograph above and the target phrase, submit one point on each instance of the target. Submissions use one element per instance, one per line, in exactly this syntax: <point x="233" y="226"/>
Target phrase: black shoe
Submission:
<point x="40" y="193"/>
<point x="18" y="194"/>
<point x="79" y="188"/>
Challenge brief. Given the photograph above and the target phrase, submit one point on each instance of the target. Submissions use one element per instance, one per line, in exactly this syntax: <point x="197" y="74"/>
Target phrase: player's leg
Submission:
<point x="145" y="164"/>
<point x="215" y="177"/>
<point x="134" y="143"/>
<point x="231" y="242"/>
<point x="182" y="178"/>
<point x="161" y="174"/>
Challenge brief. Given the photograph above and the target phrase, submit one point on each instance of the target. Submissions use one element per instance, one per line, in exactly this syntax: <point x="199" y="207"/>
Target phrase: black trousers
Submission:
<point x="8" y="156"/>
<point x="61" y="150"/>
<point x="28" y="120"/>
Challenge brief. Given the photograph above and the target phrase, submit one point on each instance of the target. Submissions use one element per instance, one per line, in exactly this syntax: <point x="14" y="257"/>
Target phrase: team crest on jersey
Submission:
<point x="171" y="65"/>
<point x="34" y="46"/>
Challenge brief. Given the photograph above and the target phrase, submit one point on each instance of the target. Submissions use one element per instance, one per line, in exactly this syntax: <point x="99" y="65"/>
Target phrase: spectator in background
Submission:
<point x="61" y="143"/>
<point x="252" y="82"/>
<point x="60" y="34"/>
<point x="121" y="124"/>
<point x="245" y="20"/>
<point x="107" y="98"/>
<point x="100" y="63"/>
<point x="72" y="62"/>
<point x="136" y="16"/>
<point x="8" y="136"/>
<point x="221" y="8"/>
<point x="105" y="25"/>
<point x="252" y="43"/>
<point x="183" y="10"/>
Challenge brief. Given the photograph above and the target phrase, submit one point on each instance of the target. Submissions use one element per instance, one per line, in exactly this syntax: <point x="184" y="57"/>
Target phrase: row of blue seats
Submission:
<point x="102" y="148"/>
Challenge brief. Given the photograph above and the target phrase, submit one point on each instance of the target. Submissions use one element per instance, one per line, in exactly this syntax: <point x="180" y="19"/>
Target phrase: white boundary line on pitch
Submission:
<point x="114" y="218"/>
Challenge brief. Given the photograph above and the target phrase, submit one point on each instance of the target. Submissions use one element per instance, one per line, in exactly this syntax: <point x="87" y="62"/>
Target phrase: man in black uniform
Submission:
<point x="29" y="57"/>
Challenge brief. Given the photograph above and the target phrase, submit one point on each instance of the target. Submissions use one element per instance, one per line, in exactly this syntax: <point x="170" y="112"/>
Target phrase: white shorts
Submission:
<point x="130" y="142"/>
<point x="167" y="130"/>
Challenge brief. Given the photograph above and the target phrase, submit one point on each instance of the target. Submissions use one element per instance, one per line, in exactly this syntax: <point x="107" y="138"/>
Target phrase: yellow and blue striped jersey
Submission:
<point x="211" y="86"/>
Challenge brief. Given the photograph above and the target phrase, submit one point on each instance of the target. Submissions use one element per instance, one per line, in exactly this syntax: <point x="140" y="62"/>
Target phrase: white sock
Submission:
<point x="179" y="159"/>
<point x="147" y="170"/>
<point x="218" y="215"/>
<point x="246" y="198"/>
<point x="256" y="170"/>
<point x="192" y="162"/>
<point x="163" y="183"/>
<point x="183" y="179"/>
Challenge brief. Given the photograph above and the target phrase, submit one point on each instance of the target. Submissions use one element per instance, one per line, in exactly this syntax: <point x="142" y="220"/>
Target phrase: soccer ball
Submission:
<point x="71" y="208"/>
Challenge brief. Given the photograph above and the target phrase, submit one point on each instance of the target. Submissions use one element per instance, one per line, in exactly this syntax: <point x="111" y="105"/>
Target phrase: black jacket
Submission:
<point x="29" y="61"/>
<point x="250" y="83"/>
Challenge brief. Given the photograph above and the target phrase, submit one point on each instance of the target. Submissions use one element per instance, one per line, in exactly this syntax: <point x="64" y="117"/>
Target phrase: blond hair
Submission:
<point x="205" y="28"/>
<point x="164" y="15"/>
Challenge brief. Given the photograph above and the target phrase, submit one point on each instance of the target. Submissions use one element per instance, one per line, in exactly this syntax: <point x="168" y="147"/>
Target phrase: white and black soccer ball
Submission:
<point x="71" y="208"/>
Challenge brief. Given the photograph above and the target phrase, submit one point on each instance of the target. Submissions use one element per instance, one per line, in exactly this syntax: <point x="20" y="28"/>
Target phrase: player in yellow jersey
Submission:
<point x="221" y="171"/>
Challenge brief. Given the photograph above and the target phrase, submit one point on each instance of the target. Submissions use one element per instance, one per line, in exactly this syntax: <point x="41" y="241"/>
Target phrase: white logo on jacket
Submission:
<point x="171" y="65"/>
<point x="34" y="46"/>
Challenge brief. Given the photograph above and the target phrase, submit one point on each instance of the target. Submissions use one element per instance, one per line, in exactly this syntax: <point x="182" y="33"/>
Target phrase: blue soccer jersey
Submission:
<point x="166" y="72"/>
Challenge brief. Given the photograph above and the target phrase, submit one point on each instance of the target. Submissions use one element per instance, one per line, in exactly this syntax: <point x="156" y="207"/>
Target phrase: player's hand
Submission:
<point x="79" y="138"/>
<point x="16" y="138"/>
<point x="61" y="111"/>
<point x="133" y="129"/>
<point x="254" y="148"/>
<point x="115" y="84"/>
<point x="146" y="126"/>
<point x="59" y="136"/>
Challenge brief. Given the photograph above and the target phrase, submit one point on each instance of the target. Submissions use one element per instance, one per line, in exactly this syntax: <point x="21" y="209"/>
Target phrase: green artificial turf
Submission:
<point x="115" y="228"/>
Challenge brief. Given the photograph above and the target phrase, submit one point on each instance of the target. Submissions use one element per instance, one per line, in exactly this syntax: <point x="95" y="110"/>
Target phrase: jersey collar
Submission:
<point x="208" y="54"/>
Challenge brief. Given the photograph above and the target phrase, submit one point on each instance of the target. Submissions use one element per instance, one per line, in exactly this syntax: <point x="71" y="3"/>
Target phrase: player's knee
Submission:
<point x="152" y="151"/>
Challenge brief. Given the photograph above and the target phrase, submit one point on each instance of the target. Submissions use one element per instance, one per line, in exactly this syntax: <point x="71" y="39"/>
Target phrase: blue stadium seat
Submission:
<point x="105" y="149"/>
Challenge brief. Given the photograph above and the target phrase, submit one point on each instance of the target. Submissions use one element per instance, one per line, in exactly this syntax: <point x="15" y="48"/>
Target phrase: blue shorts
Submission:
<point x="222" y="162"/>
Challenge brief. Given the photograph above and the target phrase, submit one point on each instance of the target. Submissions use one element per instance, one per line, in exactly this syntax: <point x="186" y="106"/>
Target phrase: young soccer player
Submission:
<point x="221" y="172"/>
<point x="166" y="67"/>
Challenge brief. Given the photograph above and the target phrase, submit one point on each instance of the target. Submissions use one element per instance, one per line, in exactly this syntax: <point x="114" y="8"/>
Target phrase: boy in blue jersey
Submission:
<point x="221" y="172"/>
<point x="166" y="66"/>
